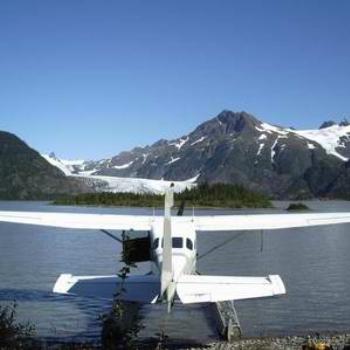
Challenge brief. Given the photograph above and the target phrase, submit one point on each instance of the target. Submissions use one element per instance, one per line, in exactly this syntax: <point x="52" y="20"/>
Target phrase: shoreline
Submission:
<point x="337" y="340"/>
<point x="329" y="340"/>
<point x="160" y="207"/>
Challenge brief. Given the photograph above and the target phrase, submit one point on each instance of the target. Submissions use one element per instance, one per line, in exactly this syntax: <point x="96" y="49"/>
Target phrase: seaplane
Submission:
<point x="170" y="244"/>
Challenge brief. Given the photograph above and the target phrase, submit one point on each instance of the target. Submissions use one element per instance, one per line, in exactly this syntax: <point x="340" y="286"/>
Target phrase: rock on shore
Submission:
<point x="335" y="342"/>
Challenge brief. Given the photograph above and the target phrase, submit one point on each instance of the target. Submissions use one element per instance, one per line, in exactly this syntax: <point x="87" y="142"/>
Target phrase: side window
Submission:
<point x="177" y="242"/>
<point x="156" y="243"/>
<point x="189" y="244"/>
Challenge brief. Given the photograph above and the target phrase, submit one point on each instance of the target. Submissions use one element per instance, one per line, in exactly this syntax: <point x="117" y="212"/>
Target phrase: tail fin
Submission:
<point x="167" y="265"/>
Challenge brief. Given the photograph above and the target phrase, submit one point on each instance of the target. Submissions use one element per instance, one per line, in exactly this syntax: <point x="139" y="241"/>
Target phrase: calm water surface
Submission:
<point x="313" y="262"/>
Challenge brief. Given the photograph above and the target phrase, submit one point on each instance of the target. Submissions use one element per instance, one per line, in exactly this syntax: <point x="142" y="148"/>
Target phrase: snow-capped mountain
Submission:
<point x="68" y="167"/>
<point x="238" y="148"/>
<point x="335" y="139"/>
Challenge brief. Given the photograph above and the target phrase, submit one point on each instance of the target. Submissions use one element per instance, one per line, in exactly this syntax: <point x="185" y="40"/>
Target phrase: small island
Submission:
<point x="297" y="207"/>
<point x="204" y="195"/>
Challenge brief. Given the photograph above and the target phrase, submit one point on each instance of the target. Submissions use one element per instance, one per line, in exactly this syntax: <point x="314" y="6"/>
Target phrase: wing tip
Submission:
<point x="277" y="284"/>
<point x="63" y="283"/>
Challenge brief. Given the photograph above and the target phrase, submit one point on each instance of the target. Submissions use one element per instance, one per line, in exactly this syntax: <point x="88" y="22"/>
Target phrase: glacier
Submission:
<point x="76" y="168"/>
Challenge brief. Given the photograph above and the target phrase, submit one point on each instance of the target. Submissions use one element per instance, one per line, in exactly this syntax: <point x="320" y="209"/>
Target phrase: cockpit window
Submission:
<point x="177" y="242"/>
<point x="189" y="244"/>
<point x="156" y="243"/>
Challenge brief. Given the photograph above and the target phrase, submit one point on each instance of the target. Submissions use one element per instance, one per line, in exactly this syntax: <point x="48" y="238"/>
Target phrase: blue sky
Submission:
<point x="89" y="78"/>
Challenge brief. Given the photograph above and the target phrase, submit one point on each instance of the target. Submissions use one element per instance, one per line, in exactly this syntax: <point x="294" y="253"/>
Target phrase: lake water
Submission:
<point x="314" y="263"/>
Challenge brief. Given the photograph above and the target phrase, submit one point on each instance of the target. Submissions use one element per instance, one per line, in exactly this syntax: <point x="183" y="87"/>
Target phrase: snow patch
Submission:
<point x="173" y="160"/>
<point x="145" y="156"/>
<point x="180" y="143"/>
<point x="273" y="152"/>
<point x="261" y="146"/>
<point x="193" y="179"/>
<point x="310" y="146"/>
<point x="66" y="166"/>
<point x="86" y="173"/>
<point x="329" y="138"/>
<point x="268" y="128"/>
<point x="102" y="161"/>
<point x="123" y="166"/>
<point x="199" y="140"/>
<point x="262" y="137"/>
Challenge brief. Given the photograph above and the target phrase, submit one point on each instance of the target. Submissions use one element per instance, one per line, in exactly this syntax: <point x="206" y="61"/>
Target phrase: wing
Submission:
<point x="267" y="221"/>
<point x="204" y="289"/>
<point x="141" y="289"/>
<point x="79" y="221"/>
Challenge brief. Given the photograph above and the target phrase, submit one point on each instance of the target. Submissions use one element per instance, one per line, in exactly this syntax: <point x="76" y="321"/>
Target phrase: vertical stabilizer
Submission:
<point x="167" y="268"/>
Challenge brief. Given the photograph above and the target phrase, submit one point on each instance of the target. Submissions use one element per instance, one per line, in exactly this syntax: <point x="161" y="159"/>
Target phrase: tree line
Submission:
<point x="204" y="195"/>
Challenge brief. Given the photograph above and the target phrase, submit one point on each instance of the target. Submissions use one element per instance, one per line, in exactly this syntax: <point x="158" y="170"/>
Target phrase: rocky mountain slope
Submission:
<point x="238" y="148"/>
<point x="24" y="174"/>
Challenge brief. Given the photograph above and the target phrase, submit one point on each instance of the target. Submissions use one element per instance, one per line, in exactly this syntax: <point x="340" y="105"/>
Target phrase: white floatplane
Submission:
<point x="171" y="246"/>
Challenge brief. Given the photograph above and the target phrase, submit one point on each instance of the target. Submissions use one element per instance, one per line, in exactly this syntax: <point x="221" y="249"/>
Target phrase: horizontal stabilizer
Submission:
<point x="142" y="289"/>
<point x="201" y="289"/>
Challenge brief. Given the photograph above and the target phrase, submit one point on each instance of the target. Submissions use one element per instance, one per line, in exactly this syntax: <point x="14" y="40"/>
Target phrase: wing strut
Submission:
<point x="211" y="250"/>
<point x="112" y="236"/>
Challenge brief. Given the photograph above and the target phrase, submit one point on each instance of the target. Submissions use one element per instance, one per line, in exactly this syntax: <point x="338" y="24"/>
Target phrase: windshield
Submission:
<point x="177" y="242"/>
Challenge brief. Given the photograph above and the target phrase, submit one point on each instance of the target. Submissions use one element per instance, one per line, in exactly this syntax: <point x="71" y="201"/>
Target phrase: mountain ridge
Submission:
<point x="236" y="147"/>
<point x="24" y="174"/>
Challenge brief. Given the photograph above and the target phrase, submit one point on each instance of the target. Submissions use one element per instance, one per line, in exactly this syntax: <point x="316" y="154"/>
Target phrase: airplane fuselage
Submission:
<point x="184" y="249"/>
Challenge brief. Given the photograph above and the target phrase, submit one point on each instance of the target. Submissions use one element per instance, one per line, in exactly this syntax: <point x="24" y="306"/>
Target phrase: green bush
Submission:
<point x="297" y="206"/>
<point x="14" y="335"/>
